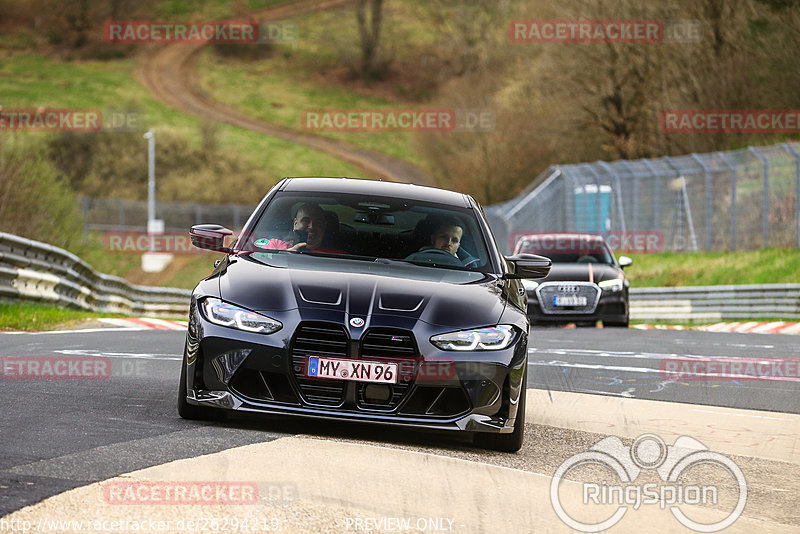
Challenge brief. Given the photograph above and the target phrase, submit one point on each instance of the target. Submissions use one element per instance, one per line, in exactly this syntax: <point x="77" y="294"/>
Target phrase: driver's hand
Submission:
<point x="297" y="247"/>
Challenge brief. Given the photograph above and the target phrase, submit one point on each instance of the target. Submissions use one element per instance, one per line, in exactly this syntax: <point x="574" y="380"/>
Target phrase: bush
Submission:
<point x="34" y="202"/>
<point x="106" y="164"/>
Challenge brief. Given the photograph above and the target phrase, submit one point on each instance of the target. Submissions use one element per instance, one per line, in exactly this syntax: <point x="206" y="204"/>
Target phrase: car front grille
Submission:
<point x="388" y="345"/>
<point x="318" y="339"/>
<point x="549" y="291"/>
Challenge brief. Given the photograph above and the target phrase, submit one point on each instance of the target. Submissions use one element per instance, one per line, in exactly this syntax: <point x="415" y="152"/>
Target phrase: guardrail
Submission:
<point x="32" y="270"/>
<point x="716" y="303"/>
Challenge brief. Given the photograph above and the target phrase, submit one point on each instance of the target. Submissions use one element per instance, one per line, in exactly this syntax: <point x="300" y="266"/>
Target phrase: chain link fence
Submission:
<point x="114" y="214"/>
<point x="736" y="200"/>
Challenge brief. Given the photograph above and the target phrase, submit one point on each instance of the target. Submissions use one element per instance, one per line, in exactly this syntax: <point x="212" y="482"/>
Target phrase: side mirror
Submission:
<point x="210" y="237"/>
<point x="625" y="261"/>
<point x="529" y="266"/>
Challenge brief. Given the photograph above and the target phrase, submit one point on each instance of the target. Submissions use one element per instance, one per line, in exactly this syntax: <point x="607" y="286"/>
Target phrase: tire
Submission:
<point x="192" y="411"/>
<point x="615" y="324"/>
<point x="507" y="442"/>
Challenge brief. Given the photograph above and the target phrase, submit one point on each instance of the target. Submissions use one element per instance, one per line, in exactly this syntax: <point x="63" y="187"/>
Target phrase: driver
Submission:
<point x="446" y="237"/>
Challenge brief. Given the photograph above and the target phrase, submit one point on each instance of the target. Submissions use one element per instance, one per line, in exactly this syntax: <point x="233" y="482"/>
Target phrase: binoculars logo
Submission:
<point x="648" y="452"/>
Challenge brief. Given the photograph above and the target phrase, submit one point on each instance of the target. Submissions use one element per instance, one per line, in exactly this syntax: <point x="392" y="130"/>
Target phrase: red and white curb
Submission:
<point x="750" y="327"/>
<point x="146" y="323"/>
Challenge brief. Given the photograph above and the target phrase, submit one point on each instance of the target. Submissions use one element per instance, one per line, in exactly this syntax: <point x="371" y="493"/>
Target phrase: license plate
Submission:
<point x="569" y="300"/>
<point x="336" y="369"/>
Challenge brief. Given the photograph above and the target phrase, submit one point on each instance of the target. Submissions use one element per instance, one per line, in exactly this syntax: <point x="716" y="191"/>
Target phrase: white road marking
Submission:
<point x="83" y="331"/>
<point x="141" y="355"/>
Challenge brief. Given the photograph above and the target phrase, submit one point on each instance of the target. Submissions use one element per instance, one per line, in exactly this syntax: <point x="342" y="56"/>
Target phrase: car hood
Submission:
<point x="581" y="272"/>
<point x="476" y="301"/>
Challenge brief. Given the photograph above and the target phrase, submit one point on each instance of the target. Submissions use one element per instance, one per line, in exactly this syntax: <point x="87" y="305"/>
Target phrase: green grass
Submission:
<point x="206" y="9"/>
<point x="31" y="80"/>
<point x="769" y="266"/>
<point x="36" y="317"/>
<point x="279" y="89"/>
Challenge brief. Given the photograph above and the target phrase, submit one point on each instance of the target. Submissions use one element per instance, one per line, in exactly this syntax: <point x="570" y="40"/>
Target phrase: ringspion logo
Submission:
<point x="674" y="465"/>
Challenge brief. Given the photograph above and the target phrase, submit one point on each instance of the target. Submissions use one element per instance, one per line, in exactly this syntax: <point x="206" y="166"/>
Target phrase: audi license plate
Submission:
<point x="569" y="300"/>
<point x="385" y="373"/>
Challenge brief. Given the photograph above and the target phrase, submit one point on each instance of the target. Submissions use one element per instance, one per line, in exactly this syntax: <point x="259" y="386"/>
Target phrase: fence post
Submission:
<point x="732" y="166"/>
<point x="627" y="164"/>
<point x="765" y="205"/>
<point x="120" y="212"/>
<point x="788" y="148"/>
<point x="656" y="194"/>
<point x="617" y="193"/>
<point x="237" y="218"/>
<point x="707" y="172"/>
<point x="685" y="201"/>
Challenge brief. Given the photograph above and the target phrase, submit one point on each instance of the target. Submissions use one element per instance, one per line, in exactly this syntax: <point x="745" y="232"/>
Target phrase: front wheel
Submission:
<point x="508" y="442"/>
<point x="191" y="411"/>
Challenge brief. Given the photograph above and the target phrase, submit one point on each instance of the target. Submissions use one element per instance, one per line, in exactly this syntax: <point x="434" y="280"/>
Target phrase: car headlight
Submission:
<point x="225" y="314"/>
<point x="529" y="285"/>
<point x="611" y="285"/>
<point x="493" y="338"/>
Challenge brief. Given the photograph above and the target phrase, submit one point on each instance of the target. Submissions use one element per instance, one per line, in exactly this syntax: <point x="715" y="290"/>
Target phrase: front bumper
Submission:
<point x="611" y="307"/>
<point x="446" y="390"/>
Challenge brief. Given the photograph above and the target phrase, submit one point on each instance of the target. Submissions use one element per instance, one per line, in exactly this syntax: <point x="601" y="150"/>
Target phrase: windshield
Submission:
<point x="370" y="228"/>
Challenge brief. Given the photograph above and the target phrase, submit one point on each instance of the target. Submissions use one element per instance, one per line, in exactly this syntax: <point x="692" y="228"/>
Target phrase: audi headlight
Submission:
<point x="493" y="338"/>
<point x="529" y="285"/>
<point x="611" y="285"/>
<point x="225" y="314"/>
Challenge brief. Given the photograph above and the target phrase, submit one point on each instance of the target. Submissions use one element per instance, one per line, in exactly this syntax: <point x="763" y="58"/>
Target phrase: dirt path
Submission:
<point x="167" y="73"/>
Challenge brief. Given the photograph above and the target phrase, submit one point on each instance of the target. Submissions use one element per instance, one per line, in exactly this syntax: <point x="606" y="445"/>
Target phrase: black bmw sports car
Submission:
<point x="365" y="301"/>
<point x="586" y="283"/>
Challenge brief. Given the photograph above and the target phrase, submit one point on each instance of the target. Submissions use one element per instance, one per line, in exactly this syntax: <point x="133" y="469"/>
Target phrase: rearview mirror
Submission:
<point x="210" y="237"/>
<point x="625" y="261"/>
<point x="528" y="266"/>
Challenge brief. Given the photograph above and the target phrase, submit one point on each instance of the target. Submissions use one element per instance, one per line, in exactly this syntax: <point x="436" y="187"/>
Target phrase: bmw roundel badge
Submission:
<point x="357" y="322"/>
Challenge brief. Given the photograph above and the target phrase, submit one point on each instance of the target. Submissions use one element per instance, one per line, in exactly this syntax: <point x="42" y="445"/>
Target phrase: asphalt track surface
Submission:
<point x="61" y="434"/>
